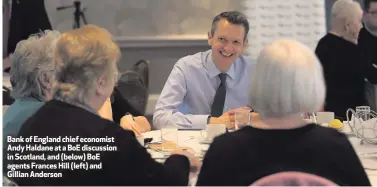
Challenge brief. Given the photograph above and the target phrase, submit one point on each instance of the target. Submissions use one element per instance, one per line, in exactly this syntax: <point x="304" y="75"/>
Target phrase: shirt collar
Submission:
<point x="369" y="30"/>
<point x="212" y="69"/>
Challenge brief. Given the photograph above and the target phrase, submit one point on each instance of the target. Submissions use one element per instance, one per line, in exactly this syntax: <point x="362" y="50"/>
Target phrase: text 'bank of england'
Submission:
<point x="66" y="139"/>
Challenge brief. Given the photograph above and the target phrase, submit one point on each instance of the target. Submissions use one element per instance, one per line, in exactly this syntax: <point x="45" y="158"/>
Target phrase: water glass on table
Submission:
<point x="242" y="118"/>
<point x="212" y="130"/>
<point x="363" y="112"/>
<point x="169" y="138"/>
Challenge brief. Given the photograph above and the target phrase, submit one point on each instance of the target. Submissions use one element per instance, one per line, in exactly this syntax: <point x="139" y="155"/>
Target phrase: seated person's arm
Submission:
<point x="143" y="123"/>
<point x="166" y="111"/>
<point x="138" y="124"/>
<point x="105" y="111"/>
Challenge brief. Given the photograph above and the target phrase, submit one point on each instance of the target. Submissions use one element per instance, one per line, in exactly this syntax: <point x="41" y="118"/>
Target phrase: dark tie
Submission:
<point x="219" y="100"/>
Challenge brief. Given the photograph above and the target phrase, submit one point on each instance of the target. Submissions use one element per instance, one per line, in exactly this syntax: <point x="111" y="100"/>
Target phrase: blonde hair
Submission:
<point x="84" y="55"/>
<point x="287" y="79"/>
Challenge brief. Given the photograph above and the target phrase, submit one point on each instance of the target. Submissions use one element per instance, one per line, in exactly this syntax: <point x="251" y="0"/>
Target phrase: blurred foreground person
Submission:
<point x="87" y="59"/>
<point x="293" y="179"/>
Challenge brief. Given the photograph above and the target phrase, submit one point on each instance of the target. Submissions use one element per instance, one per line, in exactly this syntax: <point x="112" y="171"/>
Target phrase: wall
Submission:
<point x="304" y="21"/>
<point x="161" y="31"/>
<point x="161" y="59"/>
<point x="144" y="17"/>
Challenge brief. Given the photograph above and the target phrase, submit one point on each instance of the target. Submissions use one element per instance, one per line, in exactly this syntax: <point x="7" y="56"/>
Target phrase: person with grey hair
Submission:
<point x="32" y="75"/>
<point x="344" y="66"/>
<point x="204" y="88"/>
<point x="87" y="58"/>
<point x="286" y="82"/>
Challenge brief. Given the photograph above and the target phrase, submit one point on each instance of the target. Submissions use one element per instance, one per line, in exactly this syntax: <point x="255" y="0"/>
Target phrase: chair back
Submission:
<point x="131" y="93"/>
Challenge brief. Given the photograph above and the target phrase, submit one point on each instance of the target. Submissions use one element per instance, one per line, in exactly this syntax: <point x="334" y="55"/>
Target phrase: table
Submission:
<point x="192" y="139"/>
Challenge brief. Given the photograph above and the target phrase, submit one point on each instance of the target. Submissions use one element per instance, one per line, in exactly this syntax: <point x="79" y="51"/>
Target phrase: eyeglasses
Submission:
<point x="116" y="77"/>
<point x="373" y="13"/>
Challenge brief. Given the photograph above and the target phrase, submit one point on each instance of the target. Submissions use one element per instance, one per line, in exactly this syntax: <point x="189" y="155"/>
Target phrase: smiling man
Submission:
<point x="207" y="87"/>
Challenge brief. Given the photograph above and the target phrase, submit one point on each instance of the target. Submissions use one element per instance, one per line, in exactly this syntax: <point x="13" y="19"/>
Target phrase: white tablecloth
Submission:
<point x="192" y="139"/>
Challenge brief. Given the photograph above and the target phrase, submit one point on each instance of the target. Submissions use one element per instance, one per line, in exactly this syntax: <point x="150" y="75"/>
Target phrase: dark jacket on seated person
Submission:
<point x="345" y="70"/>
<point x="130" y="164"/>
<point x="242" y="157"/>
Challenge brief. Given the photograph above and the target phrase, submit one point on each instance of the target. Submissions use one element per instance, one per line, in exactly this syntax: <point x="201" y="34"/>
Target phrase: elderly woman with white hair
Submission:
<point x="344" y="66"/>
<point x="87" y="58"/>
<point x="32" y="76"/>
<point x="286" y="81"/>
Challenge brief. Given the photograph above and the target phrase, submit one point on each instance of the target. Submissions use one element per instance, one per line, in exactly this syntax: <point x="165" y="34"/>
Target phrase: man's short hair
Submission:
<point x="367" y="4"/>
<point x="233" y="17"/>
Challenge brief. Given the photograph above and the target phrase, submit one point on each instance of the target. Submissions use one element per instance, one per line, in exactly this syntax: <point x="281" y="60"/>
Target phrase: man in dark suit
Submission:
<point x="368" y="46"/>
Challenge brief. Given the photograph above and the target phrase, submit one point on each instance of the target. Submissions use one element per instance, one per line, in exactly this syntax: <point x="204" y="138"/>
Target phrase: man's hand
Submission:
<point x="254" y="117"/>
<point x="228" y="118"/>
<point x="127" y="122"/>
<point x="143" y="123"/>
<point x="223" y="119"/>
<point x="233" y="111"/>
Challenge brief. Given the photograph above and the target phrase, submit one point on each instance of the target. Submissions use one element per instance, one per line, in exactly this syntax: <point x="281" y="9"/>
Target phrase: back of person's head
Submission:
<point x="345" y="9"/>
<point x="343" y="13"/>
<point x="33" y="66"/>
<point x="88" y="58"/>
<point x="287" y="79"/>
<point x="233" y="17"/>
<point x="293" y="179"/>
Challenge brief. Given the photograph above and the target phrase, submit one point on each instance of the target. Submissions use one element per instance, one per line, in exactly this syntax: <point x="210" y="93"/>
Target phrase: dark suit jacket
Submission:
<point x="368" y="48"/>
<point x="244" y="156"/>
<point x="345" y="70"/>
<point x="130" y="164"/>
<point x="368" y="43"/>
